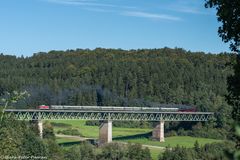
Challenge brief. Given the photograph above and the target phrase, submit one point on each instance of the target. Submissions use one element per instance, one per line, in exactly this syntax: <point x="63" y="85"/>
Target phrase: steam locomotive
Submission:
<point x="166" y="108"/>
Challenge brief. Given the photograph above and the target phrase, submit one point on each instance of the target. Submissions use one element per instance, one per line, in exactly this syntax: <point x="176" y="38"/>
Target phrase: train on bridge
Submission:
<point x="166" y="108"/>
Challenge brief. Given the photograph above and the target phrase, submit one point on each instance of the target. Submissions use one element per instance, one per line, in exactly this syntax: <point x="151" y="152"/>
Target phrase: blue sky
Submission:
<point x="31" y="26"/>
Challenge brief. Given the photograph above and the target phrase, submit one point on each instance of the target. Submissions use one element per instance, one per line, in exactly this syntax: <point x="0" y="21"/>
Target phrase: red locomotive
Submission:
<point x="43" y="107"/>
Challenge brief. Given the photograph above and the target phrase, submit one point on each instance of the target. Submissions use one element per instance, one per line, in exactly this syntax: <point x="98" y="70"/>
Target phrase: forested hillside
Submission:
<point x="118" y="77"/>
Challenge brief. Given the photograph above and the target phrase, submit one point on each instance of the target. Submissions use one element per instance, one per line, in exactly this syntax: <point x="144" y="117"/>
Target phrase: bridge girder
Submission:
<point x="108" y="115"/>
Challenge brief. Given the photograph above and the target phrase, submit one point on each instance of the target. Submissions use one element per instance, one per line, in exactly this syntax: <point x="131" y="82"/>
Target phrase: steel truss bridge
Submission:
<point x="37" y="114"/>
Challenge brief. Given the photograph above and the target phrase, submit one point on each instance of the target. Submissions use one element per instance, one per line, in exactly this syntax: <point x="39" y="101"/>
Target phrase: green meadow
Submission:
<point x="93" y="131"/>
<point x="130" y="135"/>
<point x="184" y="141"/>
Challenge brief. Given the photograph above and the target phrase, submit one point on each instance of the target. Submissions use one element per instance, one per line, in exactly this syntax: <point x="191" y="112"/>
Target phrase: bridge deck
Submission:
<point x="121" y="115"/>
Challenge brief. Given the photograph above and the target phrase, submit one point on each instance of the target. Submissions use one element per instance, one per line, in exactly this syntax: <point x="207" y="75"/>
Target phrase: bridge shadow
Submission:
<point x="136" y="136"/>
<point x="69" y="144"/>
<point x="94" y="141"/>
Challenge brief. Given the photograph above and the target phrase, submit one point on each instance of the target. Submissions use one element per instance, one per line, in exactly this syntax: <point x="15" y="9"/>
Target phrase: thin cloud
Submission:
<point x="89" y="3"/>
<point x="96" y="6"/>
<point x="151" y="15"/>
<point x="99" y="10"/>
<point x="189" y="10"/>
<point x="187" y="6"/>
<point x="81" y="3"/>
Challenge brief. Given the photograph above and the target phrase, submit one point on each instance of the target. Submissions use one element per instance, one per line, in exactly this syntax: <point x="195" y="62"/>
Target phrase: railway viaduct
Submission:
<point x="107" y="116"/>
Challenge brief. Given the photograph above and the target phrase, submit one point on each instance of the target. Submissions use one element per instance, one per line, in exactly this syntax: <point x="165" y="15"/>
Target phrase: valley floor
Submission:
<point x="125" y="135"/>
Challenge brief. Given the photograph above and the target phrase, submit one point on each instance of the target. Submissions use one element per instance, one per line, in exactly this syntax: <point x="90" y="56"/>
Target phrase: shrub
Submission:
<point x="171" y="133"/>
<point x="92" y="123"/>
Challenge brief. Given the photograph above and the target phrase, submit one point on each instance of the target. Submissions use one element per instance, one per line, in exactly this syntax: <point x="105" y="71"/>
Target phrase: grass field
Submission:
<point x="127" y="135"/>
<point x="184" y="141"/>
<point x="64" y="140"/>
<point x="93" y="131"/>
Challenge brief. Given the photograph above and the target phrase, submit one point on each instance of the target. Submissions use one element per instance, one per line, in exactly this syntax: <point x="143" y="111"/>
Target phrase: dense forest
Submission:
<point x="119" y="77"/>
<point x="144" y="77"/>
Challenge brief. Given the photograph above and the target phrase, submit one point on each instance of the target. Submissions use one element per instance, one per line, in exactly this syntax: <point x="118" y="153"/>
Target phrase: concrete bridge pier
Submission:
<point x="105" y="132"/>
<point x="40" y="128"/>
<point x="158" y="132"/>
